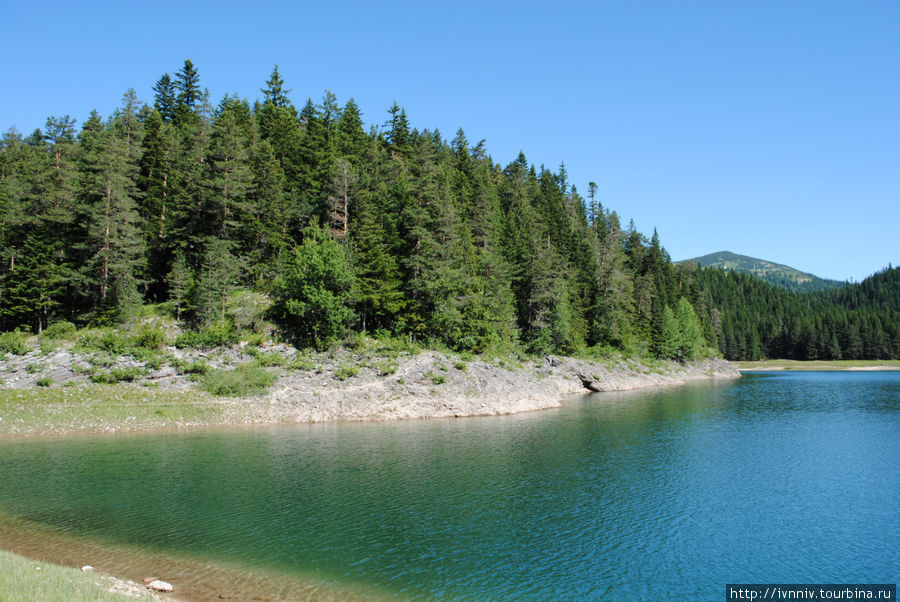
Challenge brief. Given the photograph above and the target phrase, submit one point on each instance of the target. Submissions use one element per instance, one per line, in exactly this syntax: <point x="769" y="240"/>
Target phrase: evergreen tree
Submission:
<point x="187" y="85"/>
<point x="164" y="99"/>
<point x="274" y="92"/>
<point x="113" y="245"/>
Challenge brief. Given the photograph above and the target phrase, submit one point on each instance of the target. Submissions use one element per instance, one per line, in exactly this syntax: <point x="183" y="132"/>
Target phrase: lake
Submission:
<point x="665" y="493"/>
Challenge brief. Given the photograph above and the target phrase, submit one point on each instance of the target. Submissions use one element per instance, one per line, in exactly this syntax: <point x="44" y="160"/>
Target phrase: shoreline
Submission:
<point x="337" y="386"/>
<point x="818" y="365"/>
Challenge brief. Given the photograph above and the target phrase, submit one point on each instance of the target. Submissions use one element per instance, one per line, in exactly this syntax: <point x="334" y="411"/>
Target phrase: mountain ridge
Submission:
<point x="778" y="274"/>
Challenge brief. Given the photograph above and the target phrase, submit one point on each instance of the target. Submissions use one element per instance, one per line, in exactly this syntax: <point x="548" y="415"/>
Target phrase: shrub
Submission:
<point x="65" y="331"/>
<point x="103" y="377"/>
<point x="44" y="381"/>
<point x="33" y="368"/>
<point x="13" y="342"/>
<point x="345" y="371"/>
<point x="386" y="367"/>
<point x="150" y="337"/>
<point x="185" y="367"/>
<point x="103" y="340"/>
<point x="127" y="374"/>
<point x="214" y="336"/>
<point x="268" y="359"/>
<point x="246" y="379"/>
<point x="111" y="377"/>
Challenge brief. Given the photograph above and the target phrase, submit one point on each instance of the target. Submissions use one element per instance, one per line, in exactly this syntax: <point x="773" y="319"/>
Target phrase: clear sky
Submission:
<point x="769" y="128"/>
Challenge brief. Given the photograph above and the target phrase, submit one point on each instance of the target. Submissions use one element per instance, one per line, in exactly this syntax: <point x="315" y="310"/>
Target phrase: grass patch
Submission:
<point x="93" y="407"/>
<point x="25" y="579"/>
<point x="436" y="379"/>
<point x="386" y="367"/>
<point x="245" y="380"/>
<point x="267" y="359"/>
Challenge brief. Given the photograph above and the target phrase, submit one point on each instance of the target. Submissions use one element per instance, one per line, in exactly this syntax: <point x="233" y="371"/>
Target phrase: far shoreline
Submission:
<point x="817" y="365"/>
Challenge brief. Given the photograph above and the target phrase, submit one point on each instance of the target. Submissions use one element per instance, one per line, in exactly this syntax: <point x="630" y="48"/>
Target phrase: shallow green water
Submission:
<point x="671" y="493"/>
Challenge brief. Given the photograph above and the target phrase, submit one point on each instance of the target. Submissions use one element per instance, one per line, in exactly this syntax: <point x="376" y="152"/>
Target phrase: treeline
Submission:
<point x="753" y="319"/>
<point x="391" y="229"/>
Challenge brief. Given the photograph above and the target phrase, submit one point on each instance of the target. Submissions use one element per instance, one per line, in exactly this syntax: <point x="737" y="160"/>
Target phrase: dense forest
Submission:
<point x="753" y="319"/>
<point x="389" y="230"/>
<point x="392" y="230"/>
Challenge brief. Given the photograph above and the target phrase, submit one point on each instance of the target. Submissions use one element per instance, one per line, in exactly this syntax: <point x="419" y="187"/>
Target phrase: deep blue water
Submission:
<point x="661" y="494"/>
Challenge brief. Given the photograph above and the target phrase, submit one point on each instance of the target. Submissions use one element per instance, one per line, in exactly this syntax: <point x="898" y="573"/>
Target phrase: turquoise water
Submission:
<point x="667" y="494"/>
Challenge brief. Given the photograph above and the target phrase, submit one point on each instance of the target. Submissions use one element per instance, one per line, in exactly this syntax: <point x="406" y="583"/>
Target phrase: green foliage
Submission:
<point x="62" y="330"/>
<point x="245" y="380"/>
<point x="105" y="339"/>
<point x="345" y="371"/>
<point x="45" y="381"/>
<point x="34" y="368"/>
<point x="213" y="336"/>
<point x="13" y="342"/>
<point x="386" y="367"/>
<point x="267" y="359"/>
<point x="186" y="367"/>
<point x="312" y="298"/>
<point x="150" y="337"/>
<point x="436" y="379"/>
<point x="122" y="374"/>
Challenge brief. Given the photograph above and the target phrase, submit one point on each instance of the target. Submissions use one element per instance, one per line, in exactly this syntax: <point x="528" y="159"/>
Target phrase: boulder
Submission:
<point x="160" y="586"/>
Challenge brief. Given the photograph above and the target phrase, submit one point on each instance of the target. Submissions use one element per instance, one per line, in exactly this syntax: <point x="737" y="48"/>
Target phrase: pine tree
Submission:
<point x="113" y="244"/>
<point x="164" y="99"/>
<point x="187" y="84"/>
<point x="218" y="276"/>
<point x="179" y="280"/>
<point x="274" y="91"/>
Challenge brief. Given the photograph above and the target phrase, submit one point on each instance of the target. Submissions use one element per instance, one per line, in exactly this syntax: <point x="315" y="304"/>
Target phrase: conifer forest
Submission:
<point x="387" y="230"/>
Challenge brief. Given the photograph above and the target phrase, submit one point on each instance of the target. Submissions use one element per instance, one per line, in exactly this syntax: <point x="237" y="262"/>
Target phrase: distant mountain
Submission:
<point x="774" y="273"/>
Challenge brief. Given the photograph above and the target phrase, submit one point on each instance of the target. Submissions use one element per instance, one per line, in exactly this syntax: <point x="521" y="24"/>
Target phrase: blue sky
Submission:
<point x="767" y="128"/>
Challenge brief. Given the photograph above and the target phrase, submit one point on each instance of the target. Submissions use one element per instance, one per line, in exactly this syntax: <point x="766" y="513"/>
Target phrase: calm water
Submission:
<point x="779" y="477"/>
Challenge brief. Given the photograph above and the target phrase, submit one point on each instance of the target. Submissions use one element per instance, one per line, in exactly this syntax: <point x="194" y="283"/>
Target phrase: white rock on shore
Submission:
<point x="160" y="586"/>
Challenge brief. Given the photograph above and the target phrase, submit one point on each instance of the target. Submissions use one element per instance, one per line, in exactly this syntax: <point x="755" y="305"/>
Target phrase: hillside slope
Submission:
<point x="773" y="273"/>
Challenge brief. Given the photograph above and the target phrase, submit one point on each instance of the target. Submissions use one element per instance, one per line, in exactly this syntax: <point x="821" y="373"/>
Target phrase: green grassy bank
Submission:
<point x="104" y="408"/>
<point x="25" y="579"/>
<point x="818" y="365"/>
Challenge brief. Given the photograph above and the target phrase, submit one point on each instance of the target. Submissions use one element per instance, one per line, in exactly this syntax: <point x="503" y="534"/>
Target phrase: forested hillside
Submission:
<point x="753" y="319"/>
<point x="392" y="230"/>
<point x="773" y="273"/>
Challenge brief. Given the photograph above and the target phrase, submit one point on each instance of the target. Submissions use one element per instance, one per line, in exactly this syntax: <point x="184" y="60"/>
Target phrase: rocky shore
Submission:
<point x="341" y="385"/>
